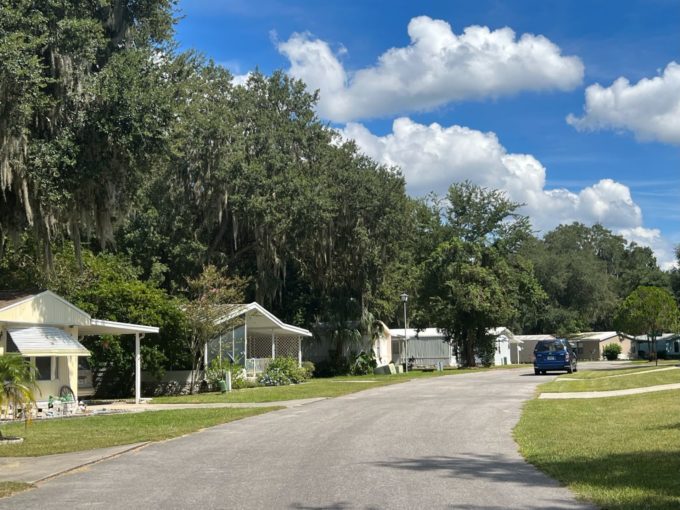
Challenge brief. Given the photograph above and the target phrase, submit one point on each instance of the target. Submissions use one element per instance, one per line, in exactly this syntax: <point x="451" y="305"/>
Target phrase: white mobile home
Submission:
<point x="427" y="346"/>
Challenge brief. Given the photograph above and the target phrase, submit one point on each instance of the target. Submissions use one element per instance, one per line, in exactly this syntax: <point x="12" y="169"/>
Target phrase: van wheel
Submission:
<point x="536" y="371"/>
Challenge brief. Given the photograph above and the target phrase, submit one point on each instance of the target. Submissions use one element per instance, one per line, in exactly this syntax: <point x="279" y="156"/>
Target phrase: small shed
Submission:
<point x="47" y="329"/>
<point x="256" y="337"/>
<point x="504" y="340"/>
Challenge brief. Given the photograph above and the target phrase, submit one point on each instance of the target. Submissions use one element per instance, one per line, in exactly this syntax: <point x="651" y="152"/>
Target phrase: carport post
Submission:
<point x="138" y="370"/>
<point x="299" y="351"/>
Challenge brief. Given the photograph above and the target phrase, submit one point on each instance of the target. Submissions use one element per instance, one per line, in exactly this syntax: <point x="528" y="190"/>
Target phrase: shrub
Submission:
<point x="611" y="351"/>
<point x="282" y="371"/>
<point x="363" y="363"/>
<point x="274" y="377"/>
<point x="309" y="367"/>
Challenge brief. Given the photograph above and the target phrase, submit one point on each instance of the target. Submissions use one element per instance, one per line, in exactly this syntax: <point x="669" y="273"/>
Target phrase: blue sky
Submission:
<point x="618" y="165"/>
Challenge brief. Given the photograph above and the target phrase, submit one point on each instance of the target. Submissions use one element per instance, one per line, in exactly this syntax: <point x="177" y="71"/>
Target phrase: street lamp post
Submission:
<point x="404" y="299"/>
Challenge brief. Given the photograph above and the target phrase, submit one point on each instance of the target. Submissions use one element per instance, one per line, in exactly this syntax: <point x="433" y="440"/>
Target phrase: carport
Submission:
<point x="47" y="329"/>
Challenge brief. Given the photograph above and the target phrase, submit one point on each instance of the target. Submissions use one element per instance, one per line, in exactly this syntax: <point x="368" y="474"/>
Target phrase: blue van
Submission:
<point x="556" y="354"/>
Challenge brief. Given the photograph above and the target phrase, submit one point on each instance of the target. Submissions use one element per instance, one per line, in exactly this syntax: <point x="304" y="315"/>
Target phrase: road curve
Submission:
<point x="443" y="442"/>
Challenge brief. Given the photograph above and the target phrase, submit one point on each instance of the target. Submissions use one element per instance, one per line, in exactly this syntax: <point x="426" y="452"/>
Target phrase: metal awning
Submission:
<point x="46" y="341"/>
<point x="102" y="327"/>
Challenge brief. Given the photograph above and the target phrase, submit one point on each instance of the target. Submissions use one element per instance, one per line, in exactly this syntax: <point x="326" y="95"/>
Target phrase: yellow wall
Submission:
<point x="68" y="376"/>
<point x="67" y="371"/>
<point x="44" y="309"/>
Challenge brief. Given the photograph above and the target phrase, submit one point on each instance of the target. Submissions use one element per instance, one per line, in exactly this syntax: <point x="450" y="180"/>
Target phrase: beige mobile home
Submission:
<point x="46" y="328"/>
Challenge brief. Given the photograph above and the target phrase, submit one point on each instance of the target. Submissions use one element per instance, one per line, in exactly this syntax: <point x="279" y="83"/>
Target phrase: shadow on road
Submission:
<point x="331" y="506"/>
<point x="494" y="467"/>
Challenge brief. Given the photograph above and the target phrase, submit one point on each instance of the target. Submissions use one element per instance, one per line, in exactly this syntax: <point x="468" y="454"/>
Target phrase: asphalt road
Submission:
<point x="435" y="443"/>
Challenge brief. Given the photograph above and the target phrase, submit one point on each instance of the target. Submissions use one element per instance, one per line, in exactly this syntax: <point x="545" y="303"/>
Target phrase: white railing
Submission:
<point x="256" y="366"/>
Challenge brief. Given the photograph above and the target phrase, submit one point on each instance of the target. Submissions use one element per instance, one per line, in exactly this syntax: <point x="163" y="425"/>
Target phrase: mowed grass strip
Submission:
<point x="314" y="388"/>
<point x="641" y="380"/>
<point x="599" y="374"/>
<point x="621" y="453"/>
<point x="9" y="488"/>
<point x="322" y="387"/>
<point x="51" y="436"/>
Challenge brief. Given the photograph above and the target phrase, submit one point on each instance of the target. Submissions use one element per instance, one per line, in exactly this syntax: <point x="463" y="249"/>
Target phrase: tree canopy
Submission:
<point x="127" y="167"/>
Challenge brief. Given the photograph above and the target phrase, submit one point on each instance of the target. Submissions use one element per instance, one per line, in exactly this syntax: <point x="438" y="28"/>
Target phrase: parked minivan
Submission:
<point x="556" y="354"/>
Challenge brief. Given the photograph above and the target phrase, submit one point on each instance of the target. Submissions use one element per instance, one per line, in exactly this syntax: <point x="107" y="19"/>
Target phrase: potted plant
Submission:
<point x="17" y="376"/>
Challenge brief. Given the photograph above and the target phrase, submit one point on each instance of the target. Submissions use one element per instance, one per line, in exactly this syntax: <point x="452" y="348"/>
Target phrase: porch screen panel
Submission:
<point x="259" y="346"/>
<point x="287" y="346"/>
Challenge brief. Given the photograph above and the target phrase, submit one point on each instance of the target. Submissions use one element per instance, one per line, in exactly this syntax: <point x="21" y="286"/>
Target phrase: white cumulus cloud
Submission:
<point x="437" y="67"/>
<point x="432" y="157"/>
<point x="650" y="108"/>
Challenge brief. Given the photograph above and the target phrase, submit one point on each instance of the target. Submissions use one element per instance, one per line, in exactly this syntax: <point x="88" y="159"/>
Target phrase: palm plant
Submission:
<point x="17" y="376"/>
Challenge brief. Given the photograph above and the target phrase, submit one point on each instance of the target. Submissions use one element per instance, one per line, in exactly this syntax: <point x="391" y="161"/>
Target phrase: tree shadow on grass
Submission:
<point x="670" y="426"/>
<point x="650" y="479"/>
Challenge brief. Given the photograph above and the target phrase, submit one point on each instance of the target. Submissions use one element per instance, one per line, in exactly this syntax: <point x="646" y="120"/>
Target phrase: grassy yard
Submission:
<point x="9" y="488"/>
<point x="322" y="387"/>
<point x="46" y="437"/>
<point x="621" y="453"/>
<point x="601" y="382"/>
<point x="651" y="363"/>
<point x="598" y="374"/>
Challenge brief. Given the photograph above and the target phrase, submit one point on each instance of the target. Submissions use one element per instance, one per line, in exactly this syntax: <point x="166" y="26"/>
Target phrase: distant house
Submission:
<point x="590" y="345"/>
<point x="430" y="346"/>
<point x="427" y="346"/>
<point x="46" y="329"/>
<point x="667" y="344"/>
<point x="526" y="344"/>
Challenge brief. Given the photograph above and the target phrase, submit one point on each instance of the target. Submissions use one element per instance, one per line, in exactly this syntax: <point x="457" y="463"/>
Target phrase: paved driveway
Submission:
<point x="435" y="443"/>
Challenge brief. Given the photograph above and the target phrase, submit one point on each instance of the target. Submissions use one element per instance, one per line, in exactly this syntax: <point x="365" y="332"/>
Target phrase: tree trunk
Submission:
<point x="470" y="349"/>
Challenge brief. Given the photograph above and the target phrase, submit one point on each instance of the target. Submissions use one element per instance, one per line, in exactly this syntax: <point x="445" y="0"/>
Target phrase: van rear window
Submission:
<point x="549" y="346"/>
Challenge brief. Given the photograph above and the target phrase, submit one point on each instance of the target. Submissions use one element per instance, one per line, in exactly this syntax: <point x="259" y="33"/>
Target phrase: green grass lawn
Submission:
<point x="621" y="453"/>
<point x="9" y="488"/>
<point x="322" y="387"/>
<point x="598" y="374"/>
<point x="634" y="379"/>
<point x="50" y="436"/>
<point x="651" y="363"/>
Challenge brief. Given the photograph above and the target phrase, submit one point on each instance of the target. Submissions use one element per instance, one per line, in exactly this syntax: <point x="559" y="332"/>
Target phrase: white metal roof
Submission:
<point x="398" y="333"/>
<point x="530" y="338"/>
<point x="413" y="333"/>
<point x="662" y="337"/>
<point x="262" y="320"/>
<point x="46" y="341"/>
<point x="49" y="301"/>
<point x="594" y="336"/>
<point x="102" y="327"/>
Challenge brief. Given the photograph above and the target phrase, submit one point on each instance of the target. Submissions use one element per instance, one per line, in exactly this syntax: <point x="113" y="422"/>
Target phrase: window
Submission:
<point x="676" y="346"/>
<point x="43" y="364"/>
